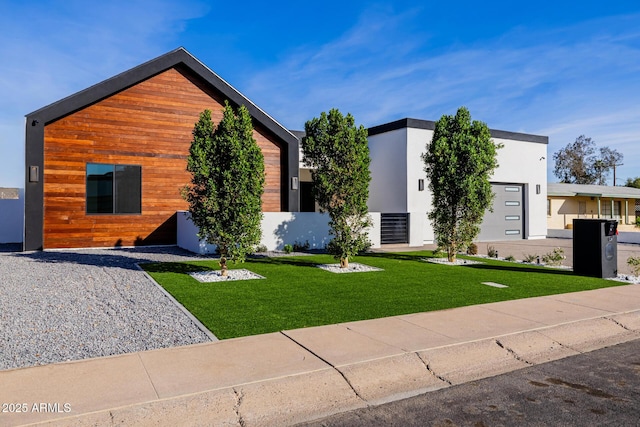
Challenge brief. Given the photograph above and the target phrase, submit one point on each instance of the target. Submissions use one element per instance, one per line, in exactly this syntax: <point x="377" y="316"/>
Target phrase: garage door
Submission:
<point x="506" y="222"/>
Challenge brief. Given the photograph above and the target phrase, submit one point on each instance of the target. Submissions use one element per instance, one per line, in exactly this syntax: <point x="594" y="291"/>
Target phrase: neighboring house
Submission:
<point x="11" y="215"/>
<point x="105" y="166"/>
<point x="399" y="186"/>
<point x="566" y="202"/>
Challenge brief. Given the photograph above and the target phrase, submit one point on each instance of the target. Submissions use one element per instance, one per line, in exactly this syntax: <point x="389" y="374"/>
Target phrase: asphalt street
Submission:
<point x="600" y="388"/>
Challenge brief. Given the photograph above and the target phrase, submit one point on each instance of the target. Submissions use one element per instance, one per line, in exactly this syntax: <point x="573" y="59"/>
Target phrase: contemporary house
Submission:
<point x="566" y="202"/>
<point x="105" y="166"/>
<point x="399" y="187"/>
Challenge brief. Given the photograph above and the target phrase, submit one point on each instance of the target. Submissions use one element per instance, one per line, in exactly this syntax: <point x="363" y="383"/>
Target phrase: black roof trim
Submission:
<point x="149" y="69"/>
<point x="431" y="125"/>
<point x="298" y="133"/>
<point x="401" y="124"/>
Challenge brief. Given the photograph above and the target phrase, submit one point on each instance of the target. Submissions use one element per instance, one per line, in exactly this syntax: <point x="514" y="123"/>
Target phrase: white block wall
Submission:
<point x="278" y="229"/>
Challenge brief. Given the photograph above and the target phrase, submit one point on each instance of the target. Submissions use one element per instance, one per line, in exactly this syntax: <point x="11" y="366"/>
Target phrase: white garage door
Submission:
<point x="506" y="222"/>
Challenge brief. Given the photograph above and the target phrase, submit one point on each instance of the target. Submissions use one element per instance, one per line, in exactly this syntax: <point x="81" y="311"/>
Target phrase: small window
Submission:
<point x="114" y="189"/>
<point x="548" y="207"/>
<point x="512" y="189"/>
<point x="511" y="203"/>
<point x="511" y="232"/>
<point x="512" y="218"/>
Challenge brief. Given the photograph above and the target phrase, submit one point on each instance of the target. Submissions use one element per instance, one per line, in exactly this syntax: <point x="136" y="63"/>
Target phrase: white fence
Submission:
<point x="278" y="229"/>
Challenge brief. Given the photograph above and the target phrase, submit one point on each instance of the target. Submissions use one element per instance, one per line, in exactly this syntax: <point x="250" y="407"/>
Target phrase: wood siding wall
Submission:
<point x="149" y="125"/>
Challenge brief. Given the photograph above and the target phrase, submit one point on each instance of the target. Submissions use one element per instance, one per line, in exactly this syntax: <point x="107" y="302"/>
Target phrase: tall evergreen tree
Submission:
<point x="225" y="194"/>
<point x="459" y="161"/>
<point x="338" y="152"/>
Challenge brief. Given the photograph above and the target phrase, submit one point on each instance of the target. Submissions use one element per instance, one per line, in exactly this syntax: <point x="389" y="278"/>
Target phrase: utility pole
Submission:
<point x="614" y="172"/>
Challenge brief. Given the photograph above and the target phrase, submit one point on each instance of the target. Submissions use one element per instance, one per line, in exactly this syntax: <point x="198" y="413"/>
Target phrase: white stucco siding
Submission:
<point x="418" y="202"/>
<point x="521" y="162"/>
<point x="388" y="187"/>
<point x="417" y="140"/>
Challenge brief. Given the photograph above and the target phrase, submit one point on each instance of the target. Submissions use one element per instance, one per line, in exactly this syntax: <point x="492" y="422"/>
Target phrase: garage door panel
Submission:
<point x="506" y="222"/>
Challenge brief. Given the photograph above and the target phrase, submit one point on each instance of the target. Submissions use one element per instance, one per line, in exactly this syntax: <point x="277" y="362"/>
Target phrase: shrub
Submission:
<point x="472" y="249"/>
<point x="301" y="247"/>
<point x="288" y="248"/>
<point x="634" y="263"/>
<point x="510" y="258"/>
<point x="638" y="221"/>
<point x="554" y="257"/>
<point x="492" y="252"/>
<point x="261" y="248"/>
<point x="438" y="252"/>
<point x="530" y="258"/>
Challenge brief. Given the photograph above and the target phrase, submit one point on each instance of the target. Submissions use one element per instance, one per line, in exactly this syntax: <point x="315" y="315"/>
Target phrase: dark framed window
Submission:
<point x="114" y="189"/>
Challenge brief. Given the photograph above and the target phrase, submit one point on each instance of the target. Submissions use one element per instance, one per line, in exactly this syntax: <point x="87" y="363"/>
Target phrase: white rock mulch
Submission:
<point x="216" y="276"/>
<point x="458" y="261"/>
<point x="626" y="278"/>
<point x="354" y="267"/>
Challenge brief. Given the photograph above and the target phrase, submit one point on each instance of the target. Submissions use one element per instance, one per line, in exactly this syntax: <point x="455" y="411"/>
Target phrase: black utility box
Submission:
<point x="595" y="247"/>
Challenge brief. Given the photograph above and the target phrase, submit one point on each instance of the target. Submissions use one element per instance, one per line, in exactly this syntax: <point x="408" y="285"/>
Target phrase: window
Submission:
<point x="606" y="209"/>
<point x="512" y="217"/>
<point x="548" y="207"/>
<point x="114" y="189"/>
<point x="512" y="189"/>
<point x="511" y="232"/>
<point x="511" y="203"/>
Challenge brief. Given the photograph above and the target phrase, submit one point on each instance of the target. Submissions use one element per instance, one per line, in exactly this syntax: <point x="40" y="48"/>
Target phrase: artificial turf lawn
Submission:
<point x="296" y="294"/>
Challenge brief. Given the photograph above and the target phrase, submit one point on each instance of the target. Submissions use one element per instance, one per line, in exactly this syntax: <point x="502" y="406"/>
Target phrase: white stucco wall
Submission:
<point x="396" y="167"/>
<point x="278" y="229"/>
<point x="12" y="217"/>
<point x="521" y="162"/>
<point x="418" y="202"/>
<point x="388" y="186"/>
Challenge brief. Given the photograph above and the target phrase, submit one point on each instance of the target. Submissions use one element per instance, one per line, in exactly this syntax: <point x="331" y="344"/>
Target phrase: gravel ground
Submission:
<point x="57" y="306"/>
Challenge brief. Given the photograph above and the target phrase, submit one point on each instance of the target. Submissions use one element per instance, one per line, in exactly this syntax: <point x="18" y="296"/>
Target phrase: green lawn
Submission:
<point x="297" y="294"/>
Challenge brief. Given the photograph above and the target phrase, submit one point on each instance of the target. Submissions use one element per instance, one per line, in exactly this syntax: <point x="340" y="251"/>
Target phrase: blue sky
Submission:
<point x="559" y="69"/>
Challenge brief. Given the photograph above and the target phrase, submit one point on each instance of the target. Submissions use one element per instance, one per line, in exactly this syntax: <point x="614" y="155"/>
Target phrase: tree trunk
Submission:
<point x="344" y="262"/>
<point x="223" y="267"/>
<point x="451" y="255"/>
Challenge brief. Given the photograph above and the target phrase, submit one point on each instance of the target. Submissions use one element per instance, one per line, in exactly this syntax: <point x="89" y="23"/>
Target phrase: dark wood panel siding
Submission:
<point x="150" y="125"/>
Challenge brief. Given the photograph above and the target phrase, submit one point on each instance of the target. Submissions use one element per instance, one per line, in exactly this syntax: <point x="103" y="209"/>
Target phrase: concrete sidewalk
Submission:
<point x="305" y="374"/>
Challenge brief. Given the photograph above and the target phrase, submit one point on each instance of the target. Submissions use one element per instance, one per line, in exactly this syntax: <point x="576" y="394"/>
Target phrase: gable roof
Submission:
<point x="431" y="125"/>
<point x="561" y="189"/>
<point x="179" y="58"/>
<point x="149" y="69"/>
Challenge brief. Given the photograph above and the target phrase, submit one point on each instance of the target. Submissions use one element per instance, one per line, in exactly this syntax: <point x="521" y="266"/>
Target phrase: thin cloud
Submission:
<point x="561" y="82"/>
<point x="66" y="47"/>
